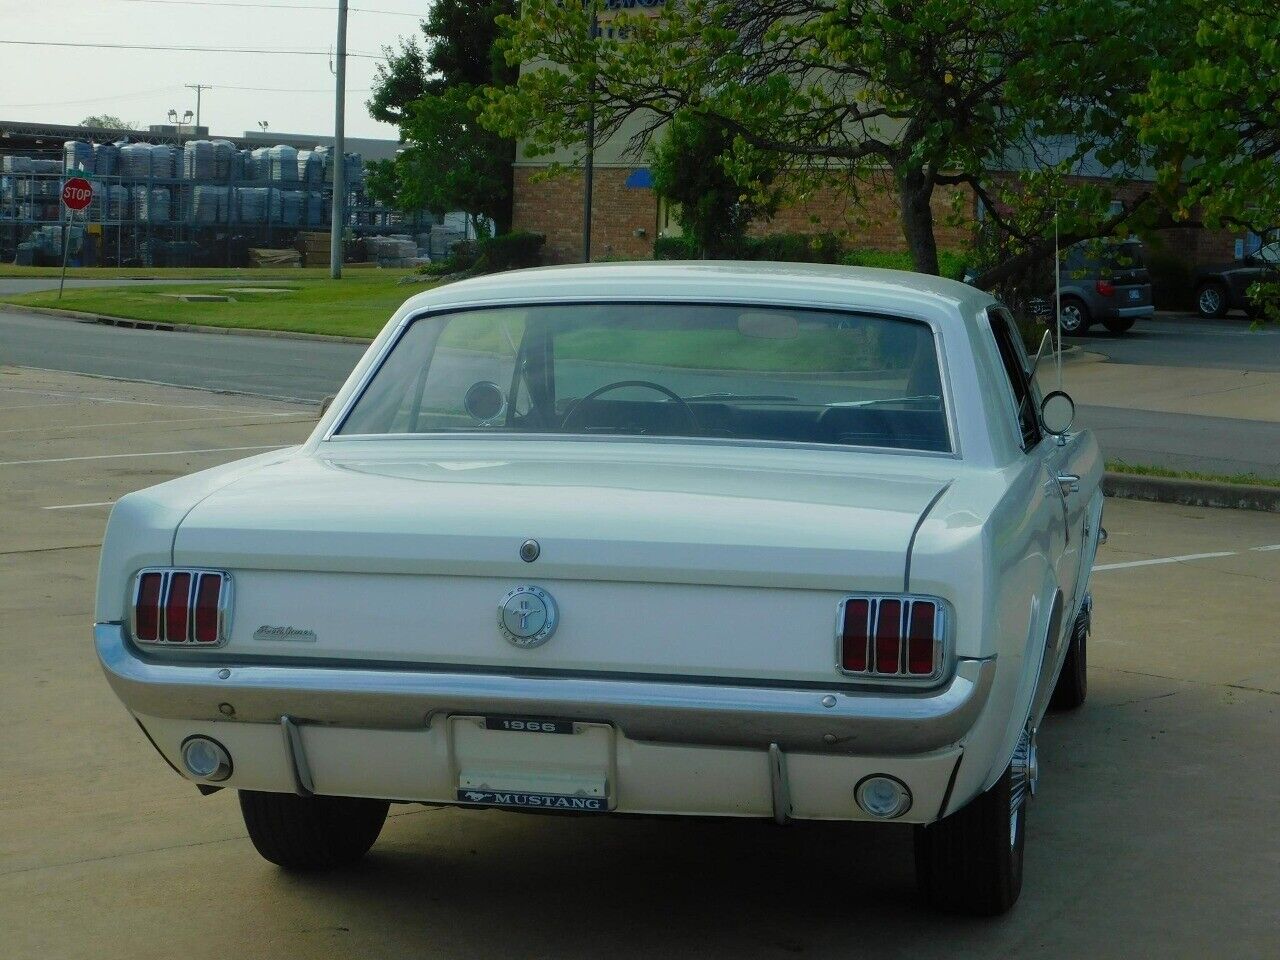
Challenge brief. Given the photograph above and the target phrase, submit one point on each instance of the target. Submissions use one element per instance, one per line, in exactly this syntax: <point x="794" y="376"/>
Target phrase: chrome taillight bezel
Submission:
<point x="942" y="640"/>
<point x="225" y="607"/>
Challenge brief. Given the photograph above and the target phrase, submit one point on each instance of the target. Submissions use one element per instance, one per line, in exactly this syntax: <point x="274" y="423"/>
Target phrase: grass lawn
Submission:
<point x="356" y="306"/>
<point x="1137" y="469"/>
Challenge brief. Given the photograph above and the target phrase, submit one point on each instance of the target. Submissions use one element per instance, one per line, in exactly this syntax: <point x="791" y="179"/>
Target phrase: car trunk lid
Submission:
<point x="657" y="566"/>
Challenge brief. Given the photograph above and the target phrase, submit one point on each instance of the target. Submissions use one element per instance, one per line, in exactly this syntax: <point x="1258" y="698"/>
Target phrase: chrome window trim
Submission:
<point x="944" y="374"/>
<point x="942" y="640"/>
<point x="225" y="606"/>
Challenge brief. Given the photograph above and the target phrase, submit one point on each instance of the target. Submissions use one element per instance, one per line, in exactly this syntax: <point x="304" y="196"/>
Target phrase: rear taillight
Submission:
<point x="892" y="637"/>
<point x="1106" y="288"/>
<point x="181" y="606"/>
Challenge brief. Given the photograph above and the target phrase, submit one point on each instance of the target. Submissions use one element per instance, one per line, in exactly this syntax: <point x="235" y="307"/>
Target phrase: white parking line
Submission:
<point x="1158" y="560"/>
<point x="77" y="506"/>
<point x="302" y="418"/>
<point x="1273" y="546"/>
<point x="158" y="453"/>
<point x="144" y="403"/>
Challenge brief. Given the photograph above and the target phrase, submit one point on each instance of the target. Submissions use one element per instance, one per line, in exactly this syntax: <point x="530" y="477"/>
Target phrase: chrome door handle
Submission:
<point x="1068" y="483"/>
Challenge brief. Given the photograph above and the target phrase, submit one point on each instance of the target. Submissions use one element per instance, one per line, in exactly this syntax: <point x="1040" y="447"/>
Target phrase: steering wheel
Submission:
<point x="618" y="385"/>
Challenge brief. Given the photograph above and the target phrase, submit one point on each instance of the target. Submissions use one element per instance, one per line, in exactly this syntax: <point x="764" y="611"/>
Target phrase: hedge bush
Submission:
<point x="951" y="263"/>
<point x="510" y="251"/>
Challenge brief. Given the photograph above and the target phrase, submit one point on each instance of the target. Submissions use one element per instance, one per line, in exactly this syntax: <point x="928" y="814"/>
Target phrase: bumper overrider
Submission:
<point x="347" y="722"/>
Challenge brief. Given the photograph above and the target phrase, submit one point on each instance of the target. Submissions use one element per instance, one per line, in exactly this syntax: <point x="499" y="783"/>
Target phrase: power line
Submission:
<point x="147" y="46"/>
<point x="270" y="6"/>
<point x="138" y="94"/>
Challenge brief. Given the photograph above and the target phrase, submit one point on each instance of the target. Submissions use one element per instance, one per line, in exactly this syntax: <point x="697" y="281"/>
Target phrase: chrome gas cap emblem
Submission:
<point x="527" y="616"/>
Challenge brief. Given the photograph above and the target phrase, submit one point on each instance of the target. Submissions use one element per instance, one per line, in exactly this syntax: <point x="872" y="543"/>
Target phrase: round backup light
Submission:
<point x="883" y="796"/>
<point x="206" y="759"/>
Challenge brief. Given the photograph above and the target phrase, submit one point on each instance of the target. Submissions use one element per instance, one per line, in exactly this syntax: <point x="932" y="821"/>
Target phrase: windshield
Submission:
<point x="662" y="370"/>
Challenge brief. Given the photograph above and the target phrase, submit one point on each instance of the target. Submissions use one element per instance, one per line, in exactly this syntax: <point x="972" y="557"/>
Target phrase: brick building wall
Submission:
<point x="624" y="219"/>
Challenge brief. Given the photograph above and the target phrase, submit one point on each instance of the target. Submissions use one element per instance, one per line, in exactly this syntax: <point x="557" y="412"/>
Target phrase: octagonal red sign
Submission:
<point x="77" y="193"/>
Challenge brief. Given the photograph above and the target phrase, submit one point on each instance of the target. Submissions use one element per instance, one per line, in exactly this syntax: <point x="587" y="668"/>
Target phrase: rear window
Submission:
<point x="662" y="370"/>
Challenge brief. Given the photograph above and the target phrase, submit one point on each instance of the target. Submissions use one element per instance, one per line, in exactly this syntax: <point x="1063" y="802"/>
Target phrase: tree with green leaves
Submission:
<point x="694" y="165"/>
<point x="107" y="121"/>
<point x="930" y="95"/>
<point x="1215" y="121"/>
<point x="1214" y="124"/>
<point x="429" y="91"/>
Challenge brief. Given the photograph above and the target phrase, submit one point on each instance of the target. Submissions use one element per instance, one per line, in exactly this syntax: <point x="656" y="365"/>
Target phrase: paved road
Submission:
<point x="312" y="370"/>
<point x="1152" y="835"/>
<point x="11" y="286"/>
<point x="1170" y="341"/>
<point x="295" y="369"/>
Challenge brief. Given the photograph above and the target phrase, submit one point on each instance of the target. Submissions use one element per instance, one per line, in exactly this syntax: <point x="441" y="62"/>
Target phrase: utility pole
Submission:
<point x="339" y="150"/>
<point x="198" y="87"/>
<point x="589" y="161"/>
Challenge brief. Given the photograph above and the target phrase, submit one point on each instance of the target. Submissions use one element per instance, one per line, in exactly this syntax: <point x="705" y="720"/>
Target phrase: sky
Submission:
<point x="64" y="84"/>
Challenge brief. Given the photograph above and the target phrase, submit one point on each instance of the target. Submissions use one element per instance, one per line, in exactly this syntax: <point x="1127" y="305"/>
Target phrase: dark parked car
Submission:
<point x="1225" y="286"/>
<point x="1104" y="282"/>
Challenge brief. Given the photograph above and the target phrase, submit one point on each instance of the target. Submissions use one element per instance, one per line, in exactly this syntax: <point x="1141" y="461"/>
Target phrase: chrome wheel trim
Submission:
<point x="1072" y="319"/>
<point x="1024" y="777"/>
<point x="1210" y="300"/>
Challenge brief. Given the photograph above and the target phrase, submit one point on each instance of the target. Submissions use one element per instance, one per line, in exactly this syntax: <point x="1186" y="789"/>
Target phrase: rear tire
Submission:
<point x="311" y="833"/>
<point x="1211" y="300"/>
<point x="1074" y="317"/>
<point x="1073" y="682"/>
<point x="971" y="861"/>
<point x="1119" y="325"/>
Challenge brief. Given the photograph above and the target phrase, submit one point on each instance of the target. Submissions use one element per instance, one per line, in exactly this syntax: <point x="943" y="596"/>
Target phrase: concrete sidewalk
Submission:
<point x="1199" y="391"/>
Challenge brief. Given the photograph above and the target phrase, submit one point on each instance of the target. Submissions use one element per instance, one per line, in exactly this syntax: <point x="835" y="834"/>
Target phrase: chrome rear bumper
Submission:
<point x="856" y="723"/>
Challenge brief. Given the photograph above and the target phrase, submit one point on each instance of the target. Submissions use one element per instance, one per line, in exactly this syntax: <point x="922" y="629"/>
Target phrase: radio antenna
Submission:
<point x="1057" y="296"/>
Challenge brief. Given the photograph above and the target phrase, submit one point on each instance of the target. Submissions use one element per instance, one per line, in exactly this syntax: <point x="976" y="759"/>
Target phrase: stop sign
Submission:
<point x="77" y="193"/>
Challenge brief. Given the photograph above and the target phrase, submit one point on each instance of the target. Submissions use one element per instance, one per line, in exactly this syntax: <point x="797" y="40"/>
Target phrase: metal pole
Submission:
<point x="339" y="150"/>
<point x="197" y="87"/>
<point x="66" y="242"/>
<point x="589" y="161"/>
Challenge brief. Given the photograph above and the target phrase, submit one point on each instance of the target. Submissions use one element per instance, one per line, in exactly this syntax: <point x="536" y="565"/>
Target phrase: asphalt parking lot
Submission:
<point x="1154" y="834"/>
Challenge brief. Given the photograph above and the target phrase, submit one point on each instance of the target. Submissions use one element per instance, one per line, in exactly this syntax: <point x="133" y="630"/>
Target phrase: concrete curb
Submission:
<point x="1192" y="493"/>
<point x="80" y="317"/>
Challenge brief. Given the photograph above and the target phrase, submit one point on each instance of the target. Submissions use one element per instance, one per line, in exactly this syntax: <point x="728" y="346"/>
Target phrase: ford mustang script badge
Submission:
<point x="527" y="616"/>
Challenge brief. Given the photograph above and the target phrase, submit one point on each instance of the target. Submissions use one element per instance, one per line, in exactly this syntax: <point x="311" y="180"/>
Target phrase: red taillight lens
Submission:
<point x="888" y="636"/>
<point x="920" y="644"/>
<point x="208" y="592"/>
<point x="856" y="634"/>
<point x="146" y="611"/>
<point x="1106" y="288"/>
<point x="893" y="637"/>
<point x="177" y="608"/>
<point x="180" y="606"/>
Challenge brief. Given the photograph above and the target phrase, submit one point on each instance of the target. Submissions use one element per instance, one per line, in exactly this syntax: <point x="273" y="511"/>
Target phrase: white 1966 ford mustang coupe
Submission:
<point x="754" y="540"/>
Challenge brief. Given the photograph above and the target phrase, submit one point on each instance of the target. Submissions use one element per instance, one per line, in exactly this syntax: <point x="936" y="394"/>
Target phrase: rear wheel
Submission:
<point x="1073" y="682"/>
<point x="1074" y="316"/>
<point x="1211" y="300"/>
<point x="311" y="833"/>
<point x="1119" y="325"/>
<point x="971" y="861"/>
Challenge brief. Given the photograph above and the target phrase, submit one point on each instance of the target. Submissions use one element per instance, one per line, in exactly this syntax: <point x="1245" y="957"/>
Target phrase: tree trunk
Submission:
<point x="914" y="193"/>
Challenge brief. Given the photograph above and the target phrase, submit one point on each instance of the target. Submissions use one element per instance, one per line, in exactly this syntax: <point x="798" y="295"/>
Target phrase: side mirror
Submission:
<point x="1057" y="413"/>
<point x="325" y="404"/>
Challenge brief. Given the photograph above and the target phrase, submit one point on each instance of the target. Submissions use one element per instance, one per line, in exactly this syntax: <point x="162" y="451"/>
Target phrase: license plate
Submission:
<point x="535" y="801"/>
<point x="528" y="725"/>
<point x="1135" y="294"/>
